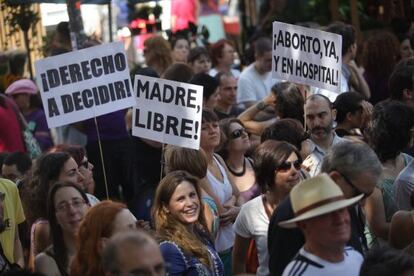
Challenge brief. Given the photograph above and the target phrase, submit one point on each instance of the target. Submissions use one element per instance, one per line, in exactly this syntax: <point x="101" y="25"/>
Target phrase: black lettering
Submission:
<point x="75" y="72"/>
<point x="96" y="70"/>
<point x="86" y="70"/>
<point x="280" y="39"/>
<point x="53" y="78"/>
<point x="77" y="100"/>
<point x="86" y="98"/>
<point x="168" y="94"/>
<point x="171" y="124"/>
<point x="191" y="98"/>
<point x="137" y="123"/>
<point x="180" y="95"/>
<point x="186" y="125"/>
<point x="142" y="88"/>
<point x="44" y="82"/>
<point x="127" y="88"/>
<point x="120" y="62"/>
<point x="108" y="65"/>
<point x="112" y="92"/>
<point x="96" y="96"/>
<point x="52" y="107"/>
<point x="64" y="75"/>
<point x="67" y="103"/>
<point x="158" y="122"/>
<point x="103" y="94"/>
<point x="119" y="90"/>
<point x="155" y="92"/>
<point x="298" y="68"/>
<point x="295" y="41"/>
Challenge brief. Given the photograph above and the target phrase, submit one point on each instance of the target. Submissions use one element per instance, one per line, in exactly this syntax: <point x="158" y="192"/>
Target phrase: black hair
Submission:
<point x="59" y="248"/>
<point x="390" y="132"/>
<point x="288" y="130"/>
<point x="401" y="78"/>
<point x="262" y="45"/>
<point x="385" y="261"/>
<point x="20" y="159"/>
<point x="196" y="53"/>
<point x="267" y="157"/>
<point x="346" y="31"/>
<point x="209" y="84"/>
<point x="345" y="103"/>
<point x="209" y="116"/>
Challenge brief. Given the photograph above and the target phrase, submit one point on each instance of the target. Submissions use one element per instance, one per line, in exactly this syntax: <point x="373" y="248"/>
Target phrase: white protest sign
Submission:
<point x="307" y="56"/>
<point x="83" y="84"/>
<point x="167" y="111"/>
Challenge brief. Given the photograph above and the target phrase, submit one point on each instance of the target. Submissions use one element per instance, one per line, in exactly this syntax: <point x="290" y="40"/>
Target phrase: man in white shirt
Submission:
<point x="321" y="214"/>
<point x="256" y="80"/>
<point x="319" y="119"/>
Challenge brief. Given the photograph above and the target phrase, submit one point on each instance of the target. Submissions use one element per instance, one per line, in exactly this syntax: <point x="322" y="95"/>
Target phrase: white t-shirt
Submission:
<point x="307" y="264"/>
<point x="252" y="86"/>
<point x="253" y="222"/>
<point x="403" y="187"/>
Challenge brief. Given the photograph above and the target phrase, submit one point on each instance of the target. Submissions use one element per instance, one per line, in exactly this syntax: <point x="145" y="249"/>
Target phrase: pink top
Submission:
<point x="185" y="12"/>
<point x="10" y="134"/>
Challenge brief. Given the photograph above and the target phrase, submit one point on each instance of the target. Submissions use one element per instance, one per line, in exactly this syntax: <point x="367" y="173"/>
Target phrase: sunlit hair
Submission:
<point x="267" y="157"/>
<point x="56" y="233"/>
<point x="185" y="159"/>
<point x="169" y="228"/>
<point x="158" y="53"/>
<point x="97" y="224"/>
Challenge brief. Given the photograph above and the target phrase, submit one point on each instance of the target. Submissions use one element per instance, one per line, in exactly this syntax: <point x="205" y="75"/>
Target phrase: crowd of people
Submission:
<point x="289" y="179"/>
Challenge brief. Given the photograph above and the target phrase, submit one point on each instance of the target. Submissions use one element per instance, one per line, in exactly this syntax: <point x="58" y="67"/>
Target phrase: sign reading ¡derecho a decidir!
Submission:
<point x="167" y="111"/>
<point x="83" y="84"/>
<point x="307" y="56"/>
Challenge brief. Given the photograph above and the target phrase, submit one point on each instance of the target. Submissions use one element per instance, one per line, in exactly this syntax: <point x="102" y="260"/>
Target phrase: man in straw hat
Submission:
<point x="320" y="212"/>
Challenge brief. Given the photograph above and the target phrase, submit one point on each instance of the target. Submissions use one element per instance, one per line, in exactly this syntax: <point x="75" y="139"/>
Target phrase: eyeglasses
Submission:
<point x="238" y="133"/>
<point x="358" y="191"/>
<point x="76" y="204"/>
<point x="285" y="166"/>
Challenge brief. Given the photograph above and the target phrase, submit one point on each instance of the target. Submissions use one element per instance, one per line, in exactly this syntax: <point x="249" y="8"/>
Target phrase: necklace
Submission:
<point x="238" y="173"/>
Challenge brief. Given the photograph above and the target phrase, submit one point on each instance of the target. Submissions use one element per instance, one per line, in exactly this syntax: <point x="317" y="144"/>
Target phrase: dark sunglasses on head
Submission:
<point x="285" y="166"/>
<point x="238" y="133"/>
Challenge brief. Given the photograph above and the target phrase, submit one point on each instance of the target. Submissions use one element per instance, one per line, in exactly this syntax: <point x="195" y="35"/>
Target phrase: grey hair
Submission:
<point x="110" y="254"/>
<point x="351" y="158"/>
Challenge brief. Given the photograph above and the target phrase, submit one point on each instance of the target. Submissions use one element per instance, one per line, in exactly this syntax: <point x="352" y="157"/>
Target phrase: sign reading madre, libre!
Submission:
<point x="83" y="84"/>
<point x="307" y="56"/>
<point x="167" y="111"/>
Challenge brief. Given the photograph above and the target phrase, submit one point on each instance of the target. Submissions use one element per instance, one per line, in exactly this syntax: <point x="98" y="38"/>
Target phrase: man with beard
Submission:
<point x="319" y="118"/>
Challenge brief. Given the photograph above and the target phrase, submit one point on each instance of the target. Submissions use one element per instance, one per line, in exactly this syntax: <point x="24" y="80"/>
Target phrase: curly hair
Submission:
<point x="75" y="151"/>
<point x="390" y="130"/>
<point x="170" y="228"/>
<point x="289" y="101"/>
<point x="158" y="53"/>
<point x="288" y="130"/>
<point x="267" y="158"/>
<point x="380" y="54"/>
<point x="97" y="224"/>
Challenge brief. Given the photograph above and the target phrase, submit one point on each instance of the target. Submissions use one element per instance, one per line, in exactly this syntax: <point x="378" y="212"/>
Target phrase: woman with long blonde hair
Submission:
<point x="179" y="221"/>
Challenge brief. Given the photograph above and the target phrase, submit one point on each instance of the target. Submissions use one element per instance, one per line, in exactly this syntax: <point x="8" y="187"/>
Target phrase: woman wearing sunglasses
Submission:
<point x="235" y="144"/>
<point x="277" y="168"/>
<point x="67" y="205"/>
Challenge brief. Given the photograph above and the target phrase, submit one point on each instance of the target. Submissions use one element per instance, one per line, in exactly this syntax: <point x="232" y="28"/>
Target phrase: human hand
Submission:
<point x="229" y="215"/>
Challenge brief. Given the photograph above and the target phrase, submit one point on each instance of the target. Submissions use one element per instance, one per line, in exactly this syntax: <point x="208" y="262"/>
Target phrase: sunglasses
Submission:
<point x="285" y="166"/>
<point x="238" y="133"/>
<point x="358" y="191"/>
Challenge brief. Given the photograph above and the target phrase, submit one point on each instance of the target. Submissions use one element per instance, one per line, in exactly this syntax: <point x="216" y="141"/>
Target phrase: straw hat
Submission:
<point x="314" y="197"/>
<point x="21" y="86"/>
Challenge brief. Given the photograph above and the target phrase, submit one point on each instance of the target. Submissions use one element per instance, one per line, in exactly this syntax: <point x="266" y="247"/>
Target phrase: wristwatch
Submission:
<point x="261" y="105"/>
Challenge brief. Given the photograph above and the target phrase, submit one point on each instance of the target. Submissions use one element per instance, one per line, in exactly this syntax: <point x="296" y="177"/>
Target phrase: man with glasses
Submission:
<point x="355" y="168"/>
<point x="132" y="253"/>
